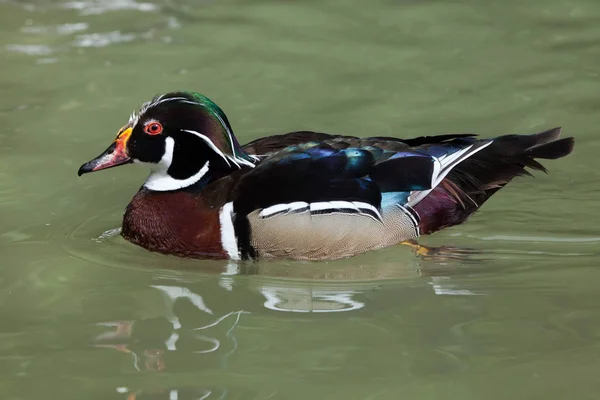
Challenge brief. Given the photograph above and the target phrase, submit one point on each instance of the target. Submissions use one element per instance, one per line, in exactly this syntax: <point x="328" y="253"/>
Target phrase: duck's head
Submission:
<point x="183" y="137"/>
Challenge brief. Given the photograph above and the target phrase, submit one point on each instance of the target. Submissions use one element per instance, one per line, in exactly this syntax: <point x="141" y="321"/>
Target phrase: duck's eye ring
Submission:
<point x="153" y="128"/>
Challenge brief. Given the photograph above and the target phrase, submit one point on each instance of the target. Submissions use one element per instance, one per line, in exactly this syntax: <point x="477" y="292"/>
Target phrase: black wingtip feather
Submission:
<point x="547" y="136"/>
<point x="552" y="150"/>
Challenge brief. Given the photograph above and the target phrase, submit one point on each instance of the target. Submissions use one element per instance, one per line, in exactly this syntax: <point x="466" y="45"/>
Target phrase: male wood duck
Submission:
<point x="302" y="195"/>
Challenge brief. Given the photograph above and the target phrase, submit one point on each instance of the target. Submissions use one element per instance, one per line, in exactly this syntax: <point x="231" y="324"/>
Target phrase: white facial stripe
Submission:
<point x="230" y="136"/>
<point x="209" y="143"/>
<point x="160" y="180"/>
<point x="223" y="124"/>
<point x="226" y="157"/>
<point x="228" y="236"/>
<point x="235" y="159"/>
<point x="242" y="161"/>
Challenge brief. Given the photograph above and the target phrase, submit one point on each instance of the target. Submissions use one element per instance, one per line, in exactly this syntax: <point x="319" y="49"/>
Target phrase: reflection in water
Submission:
<point x="308" y="300"/>
<point x="173" y="293"/>
<point x="326" y="300"/>
<point x="228" y="334"/>
<point x="135" y="336"/>
<point x="192" y="326"/>
<point x="172" y="394"/>
<point x="443" y="286"/>
<point x="326" y="290"/>
<point x="144" y="340"/>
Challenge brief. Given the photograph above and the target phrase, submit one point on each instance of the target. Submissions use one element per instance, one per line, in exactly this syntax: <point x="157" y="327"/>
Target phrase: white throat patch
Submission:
<point x="159" y="180"/>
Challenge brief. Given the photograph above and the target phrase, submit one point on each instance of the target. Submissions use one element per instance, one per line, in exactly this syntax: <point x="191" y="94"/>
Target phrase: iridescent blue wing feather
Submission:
<point x="314" y="172"/>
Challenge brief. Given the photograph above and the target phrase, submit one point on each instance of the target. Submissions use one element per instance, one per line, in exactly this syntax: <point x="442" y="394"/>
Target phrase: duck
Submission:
<point x="302" y="195"/>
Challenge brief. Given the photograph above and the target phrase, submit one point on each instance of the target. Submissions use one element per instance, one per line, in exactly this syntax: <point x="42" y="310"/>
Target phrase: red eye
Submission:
<point x="153" y="128"/>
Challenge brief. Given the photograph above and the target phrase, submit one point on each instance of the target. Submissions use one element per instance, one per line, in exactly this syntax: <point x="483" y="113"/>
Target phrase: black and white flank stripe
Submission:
<point x="323" y="208"/>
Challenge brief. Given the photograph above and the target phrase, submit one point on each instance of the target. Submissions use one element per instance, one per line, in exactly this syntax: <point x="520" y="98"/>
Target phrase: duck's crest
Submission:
<point x="238" y="154"/>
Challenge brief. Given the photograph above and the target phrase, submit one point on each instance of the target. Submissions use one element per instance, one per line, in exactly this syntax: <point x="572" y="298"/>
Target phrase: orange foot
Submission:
<point x="440" y="253"/>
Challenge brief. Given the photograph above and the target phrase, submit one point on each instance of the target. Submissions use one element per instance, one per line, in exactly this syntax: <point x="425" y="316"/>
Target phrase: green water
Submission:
<point x="86" y="315"/>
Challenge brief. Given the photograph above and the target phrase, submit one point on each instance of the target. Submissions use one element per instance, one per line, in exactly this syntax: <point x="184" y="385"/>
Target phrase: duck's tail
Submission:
<point x="477" y="178"/>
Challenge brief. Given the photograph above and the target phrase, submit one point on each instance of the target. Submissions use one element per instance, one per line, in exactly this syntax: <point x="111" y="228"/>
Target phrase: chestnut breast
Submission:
<point x="178" y="223"/>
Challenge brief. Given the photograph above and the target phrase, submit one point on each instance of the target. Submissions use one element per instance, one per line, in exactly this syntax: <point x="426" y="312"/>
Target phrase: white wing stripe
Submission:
<point x="443" y="166"/>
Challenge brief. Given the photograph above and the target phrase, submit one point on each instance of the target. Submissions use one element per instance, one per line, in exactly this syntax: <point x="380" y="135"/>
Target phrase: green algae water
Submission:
<point x="85" y="315"/>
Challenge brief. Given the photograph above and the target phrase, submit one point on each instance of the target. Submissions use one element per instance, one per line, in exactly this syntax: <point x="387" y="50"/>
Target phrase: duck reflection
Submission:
<point x="340" y="287"/>
<point x="187" y="321"/>
<point x="328" y="300"/>
<point x="172" y="394"/>
<point x="149" y="340"/>
<point x="309" y="300"/>
<point x="293" y="288"/>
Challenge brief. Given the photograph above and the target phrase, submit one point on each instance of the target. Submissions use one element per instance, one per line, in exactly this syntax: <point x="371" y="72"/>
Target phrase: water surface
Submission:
<point x="87" y="315"/>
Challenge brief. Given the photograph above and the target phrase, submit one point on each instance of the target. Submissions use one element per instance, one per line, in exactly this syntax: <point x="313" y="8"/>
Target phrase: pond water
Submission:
<point x="86" y="315"/>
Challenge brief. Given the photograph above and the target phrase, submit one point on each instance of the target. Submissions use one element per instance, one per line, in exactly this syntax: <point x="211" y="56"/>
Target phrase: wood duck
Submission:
<point x="302" y="195"/>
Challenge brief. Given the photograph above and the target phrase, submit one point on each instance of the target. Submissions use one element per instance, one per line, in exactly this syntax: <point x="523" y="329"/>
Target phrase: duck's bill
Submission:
<point x="115" y="155"/>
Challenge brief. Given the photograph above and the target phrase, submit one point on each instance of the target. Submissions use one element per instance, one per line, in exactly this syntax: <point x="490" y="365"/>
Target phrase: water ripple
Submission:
<point x="30" y="49"/>
<point x="62" y="29"/>
<point x="92" y="7"/>
<point x="102" y="39"/>
<point x="542" y="239"/>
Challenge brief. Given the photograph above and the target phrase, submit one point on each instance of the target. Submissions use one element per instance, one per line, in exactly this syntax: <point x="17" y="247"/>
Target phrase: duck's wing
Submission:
<point x="269" y="145"/>
<point x="330" y="199"/>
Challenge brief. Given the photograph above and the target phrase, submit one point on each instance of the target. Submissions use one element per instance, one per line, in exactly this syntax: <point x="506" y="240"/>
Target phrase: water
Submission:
<point x="87" y="315"/>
